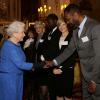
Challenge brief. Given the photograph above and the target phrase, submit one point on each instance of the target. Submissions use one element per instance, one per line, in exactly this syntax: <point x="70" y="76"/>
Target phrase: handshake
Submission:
<point x="44" y="64"/>
<point x="48" y="64"/>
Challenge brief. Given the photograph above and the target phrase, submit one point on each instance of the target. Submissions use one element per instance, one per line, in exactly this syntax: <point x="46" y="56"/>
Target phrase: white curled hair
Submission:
<point x="15" y="27"/>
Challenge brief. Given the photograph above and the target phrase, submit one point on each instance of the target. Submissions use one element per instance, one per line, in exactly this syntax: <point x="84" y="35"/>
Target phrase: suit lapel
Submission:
<point x="75" y="36"/>
<point x="85" y="28"/>
<point x="38" y="40"/>
<point x="75" y="33"/>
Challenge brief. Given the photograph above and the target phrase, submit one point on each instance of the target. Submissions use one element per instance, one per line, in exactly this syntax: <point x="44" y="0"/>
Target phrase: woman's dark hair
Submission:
<point x="32" y="30"/>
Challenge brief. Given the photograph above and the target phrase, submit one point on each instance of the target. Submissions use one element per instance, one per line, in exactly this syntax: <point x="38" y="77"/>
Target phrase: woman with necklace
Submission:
<point x="64" y="74"/>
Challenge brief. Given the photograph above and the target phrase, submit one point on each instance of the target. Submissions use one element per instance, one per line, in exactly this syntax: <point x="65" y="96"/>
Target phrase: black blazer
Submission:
<point x="30" y="52"/>
<point x="41" y="47"/>
<point x="51" y="48"/>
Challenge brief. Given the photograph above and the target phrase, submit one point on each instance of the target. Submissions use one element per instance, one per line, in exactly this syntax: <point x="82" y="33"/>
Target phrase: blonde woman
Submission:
<point x="64" y="74"/>
<point x="40" y="47"/>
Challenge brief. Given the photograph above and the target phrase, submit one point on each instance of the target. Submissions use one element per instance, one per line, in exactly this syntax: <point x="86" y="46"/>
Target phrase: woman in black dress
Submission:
<point x="42" y="75"/>
<point x="64" y="74"/>
<point x="30" y="52"/>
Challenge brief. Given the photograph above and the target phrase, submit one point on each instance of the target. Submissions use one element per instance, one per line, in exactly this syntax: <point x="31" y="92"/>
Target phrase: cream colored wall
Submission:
<point x="13" y="9"/>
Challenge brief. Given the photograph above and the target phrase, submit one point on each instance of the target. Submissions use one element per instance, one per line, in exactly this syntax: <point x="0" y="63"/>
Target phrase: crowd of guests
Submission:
<point x="51" y="40"/>
<point x="47" y="54"/>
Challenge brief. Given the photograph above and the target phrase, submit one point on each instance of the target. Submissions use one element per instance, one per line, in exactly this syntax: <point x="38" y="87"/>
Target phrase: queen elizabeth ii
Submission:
<point x="12" y="63"/>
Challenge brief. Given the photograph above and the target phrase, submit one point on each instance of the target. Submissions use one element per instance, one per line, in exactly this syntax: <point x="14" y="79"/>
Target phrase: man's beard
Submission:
<point x="76" y="23"/>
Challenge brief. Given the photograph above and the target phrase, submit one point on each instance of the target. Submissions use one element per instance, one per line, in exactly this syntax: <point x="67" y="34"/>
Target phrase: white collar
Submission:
<point x="83" y="22"/>
<point x="54" y="29"/>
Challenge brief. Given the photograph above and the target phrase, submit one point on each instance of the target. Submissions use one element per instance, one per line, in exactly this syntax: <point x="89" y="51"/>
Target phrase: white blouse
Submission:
<point x="62" y="41"/>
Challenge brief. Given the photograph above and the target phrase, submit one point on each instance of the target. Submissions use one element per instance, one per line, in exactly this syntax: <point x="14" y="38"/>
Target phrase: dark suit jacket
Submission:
<point x="30" y="52"/>
<point x="41" y="46"/>
<point x="88" y="47"/>
<point x="52" y="45"/>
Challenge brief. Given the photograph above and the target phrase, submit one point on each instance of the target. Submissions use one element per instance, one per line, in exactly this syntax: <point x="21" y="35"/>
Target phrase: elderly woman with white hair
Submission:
<point x="12" y="63"/>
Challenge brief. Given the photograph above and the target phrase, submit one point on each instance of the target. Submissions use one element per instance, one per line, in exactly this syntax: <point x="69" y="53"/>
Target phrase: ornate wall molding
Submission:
<point x="10" y="9"/>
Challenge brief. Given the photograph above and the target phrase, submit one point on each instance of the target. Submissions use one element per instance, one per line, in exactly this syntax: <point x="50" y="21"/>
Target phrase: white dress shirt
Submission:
<point x="81" y="26"/>
<point x="49" y="36"/>
<point x="53" y="31"/>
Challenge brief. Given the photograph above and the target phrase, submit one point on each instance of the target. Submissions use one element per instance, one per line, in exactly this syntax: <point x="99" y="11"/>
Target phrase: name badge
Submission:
<point x="85" y="39"/>
<point x="41" y="40"/>
<point x="64" y="43"/>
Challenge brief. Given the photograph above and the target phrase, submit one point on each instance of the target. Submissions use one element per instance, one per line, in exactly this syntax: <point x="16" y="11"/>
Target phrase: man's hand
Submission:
<point x="92" y="87"/>
<point x="48" y="64"/>
<point x="57" y="71"/>
<point x="39" y="65"/>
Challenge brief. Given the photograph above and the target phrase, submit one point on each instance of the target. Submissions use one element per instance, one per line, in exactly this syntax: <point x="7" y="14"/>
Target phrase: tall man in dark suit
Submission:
<point x="51" y="49"/>
<point x="86" y="40"/>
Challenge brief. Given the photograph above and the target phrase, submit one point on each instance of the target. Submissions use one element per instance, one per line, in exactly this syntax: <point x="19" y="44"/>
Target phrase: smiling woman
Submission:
<point x="12" y="63"/>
